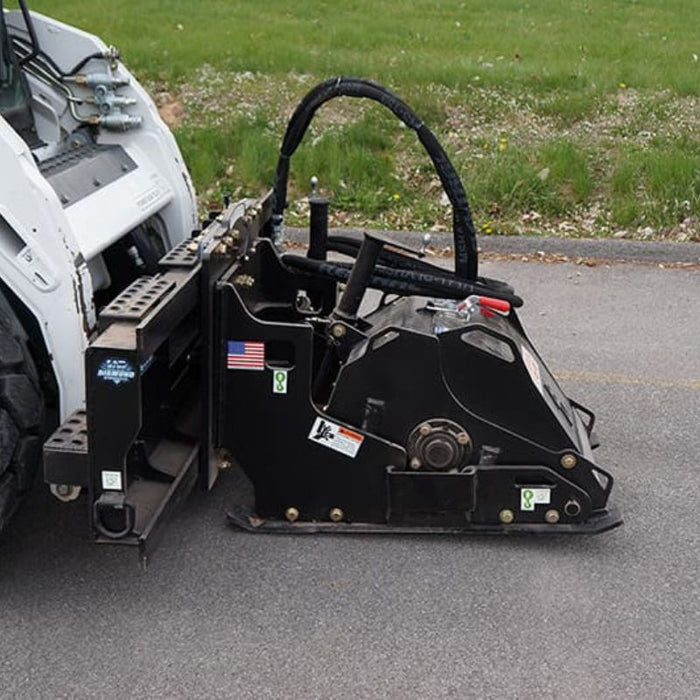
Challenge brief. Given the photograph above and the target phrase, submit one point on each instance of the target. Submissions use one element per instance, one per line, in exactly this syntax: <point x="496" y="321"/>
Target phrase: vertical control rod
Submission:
<point x="318" y="224"/>
<point x="362" y="270"/>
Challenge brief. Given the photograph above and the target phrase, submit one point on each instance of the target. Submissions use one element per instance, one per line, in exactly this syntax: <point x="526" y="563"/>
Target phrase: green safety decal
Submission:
<point x="530" y="497"/>
<point x="279" y="381"/>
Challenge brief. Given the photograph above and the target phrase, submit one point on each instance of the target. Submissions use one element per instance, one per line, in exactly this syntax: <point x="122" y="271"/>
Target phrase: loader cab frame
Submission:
<point x="15" y="95"/>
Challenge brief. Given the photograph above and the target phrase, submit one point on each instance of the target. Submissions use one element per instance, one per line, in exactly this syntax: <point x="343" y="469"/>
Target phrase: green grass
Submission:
<point x="567" y="107"/>
<point x="541" y="44"/>
<point x="651" y="188"/>
<point x="585" y="111"/>
<point x="210" y="150"/>
<point x="510" y="183"/>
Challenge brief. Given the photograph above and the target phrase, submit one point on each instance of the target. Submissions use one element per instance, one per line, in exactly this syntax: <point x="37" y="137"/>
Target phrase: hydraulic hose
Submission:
<point x="403" y="282"/>
<point x="350" y="246"/>
<point x="465" y="247"/>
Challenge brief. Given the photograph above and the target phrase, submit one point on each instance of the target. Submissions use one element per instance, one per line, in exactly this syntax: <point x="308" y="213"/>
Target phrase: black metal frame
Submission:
<point x="522" y="436"/>
<point x="430" y="413"/>
<point x="164" y="411"/>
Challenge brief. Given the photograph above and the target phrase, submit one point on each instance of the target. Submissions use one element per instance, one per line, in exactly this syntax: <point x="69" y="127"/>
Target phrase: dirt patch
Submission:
<point x="170" y="108"/>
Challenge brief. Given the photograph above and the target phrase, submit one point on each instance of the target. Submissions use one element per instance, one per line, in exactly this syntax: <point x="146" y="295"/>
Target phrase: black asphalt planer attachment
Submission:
<point x="383" y="394"/>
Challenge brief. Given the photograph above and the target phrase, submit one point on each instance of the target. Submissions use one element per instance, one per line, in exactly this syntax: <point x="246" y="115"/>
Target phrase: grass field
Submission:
<point x="578" y="117"/>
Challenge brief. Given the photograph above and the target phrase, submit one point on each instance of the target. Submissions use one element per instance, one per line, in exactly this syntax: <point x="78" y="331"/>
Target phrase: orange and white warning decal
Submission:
<point x="337" y="437"/>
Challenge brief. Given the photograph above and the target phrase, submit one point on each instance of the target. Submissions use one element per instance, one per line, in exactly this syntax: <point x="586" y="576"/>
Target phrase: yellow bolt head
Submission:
<point x="292" y="514"/>
<point x="552" y="516"/>
<point x="506" y="516"/>
<point x="338" y="330"/>
<point x="568" y="461"/>
<point x="336" y="515"/>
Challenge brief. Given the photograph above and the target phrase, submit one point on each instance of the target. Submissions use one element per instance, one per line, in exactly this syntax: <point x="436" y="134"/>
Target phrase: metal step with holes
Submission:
<point x="66" y="452"/>
<point x="137" y="299"/>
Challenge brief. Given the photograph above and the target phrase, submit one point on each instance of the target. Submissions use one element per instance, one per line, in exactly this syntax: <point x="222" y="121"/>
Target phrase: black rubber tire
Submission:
<point x="21" y="414"/>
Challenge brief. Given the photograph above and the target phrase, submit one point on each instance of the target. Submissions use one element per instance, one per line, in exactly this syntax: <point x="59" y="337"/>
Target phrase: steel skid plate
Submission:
<point x="243" y="517"/>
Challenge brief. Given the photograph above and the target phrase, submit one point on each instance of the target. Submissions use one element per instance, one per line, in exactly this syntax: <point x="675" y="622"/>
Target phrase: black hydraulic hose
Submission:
<point x="466" y="253"/>
<point x="80" y="64"/>
<point x="33" y="39"/>
<point x="39" y="57"/>
<point x="38" y="54"/>
<point x="347" y="245"/>
<point x="403" y="282"/>
<point x="452" y="287"/>
<point x="340" y="272"/>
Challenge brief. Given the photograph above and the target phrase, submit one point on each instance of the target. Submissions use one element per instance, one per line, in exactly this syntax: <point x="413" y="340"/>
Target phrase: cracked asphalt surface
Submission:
<point x="222" y="614"/>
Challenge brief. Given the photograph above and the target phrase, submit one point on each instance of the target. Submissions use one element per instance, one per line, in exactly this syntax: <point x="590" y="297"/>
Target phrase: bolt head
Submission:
<point x="336" y="515"/>
<point x="568" y="461"/>
<point x="552" y="516"/>
<point x="506" y="516"/>
<point x="425" y="429"/>
<point x="338" y="330"/>
<point x="223" y="460"/>
<point x="415" y="463"/>
<point x="292" y="514"/>
<point x="463" y="439"/>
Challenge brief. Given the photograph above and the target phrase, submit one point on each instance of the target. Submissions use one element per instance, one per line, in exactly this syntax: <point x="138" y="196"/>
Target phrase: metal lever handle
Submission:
<point x="360" y="276"/>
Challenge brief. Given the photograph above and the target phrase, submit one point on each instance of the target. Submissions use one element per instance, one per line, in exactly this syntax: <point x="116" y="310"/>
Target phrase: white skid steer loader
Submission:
<point x="93" y="191"/>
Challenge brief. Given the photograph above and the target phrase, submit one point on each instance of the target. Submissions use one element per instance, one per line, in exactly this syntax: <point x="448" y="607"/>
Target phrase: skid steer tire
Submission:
<point x="21" y="414"/>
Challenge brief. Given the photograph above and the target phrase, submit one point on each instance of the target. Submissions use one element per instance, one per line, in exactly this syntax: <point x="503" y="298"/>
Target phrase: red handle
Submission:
<point x="495" y="304"/>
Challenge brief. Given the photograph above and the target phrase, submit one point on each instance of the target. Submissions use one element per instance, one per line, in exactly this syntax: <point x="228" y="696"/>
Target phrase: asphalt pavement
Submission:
<point x="225" y="614"/>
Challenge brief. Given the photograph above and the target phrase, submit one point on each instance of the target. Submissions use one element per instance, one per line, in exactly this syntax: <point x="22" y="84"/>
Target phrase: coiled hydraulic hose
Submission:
<point x="466" y="253"/>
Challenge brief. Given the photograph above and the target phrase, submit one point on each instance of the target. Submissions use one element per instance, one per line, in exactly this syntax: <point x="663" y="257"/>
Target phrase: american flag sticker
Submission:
<point x="245" y="354"/>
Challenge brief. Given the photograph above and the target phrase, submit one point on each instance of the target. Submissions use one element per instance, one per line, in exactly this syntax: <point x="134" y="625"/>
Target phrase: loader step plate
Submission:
<point x="243" y="517"/>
